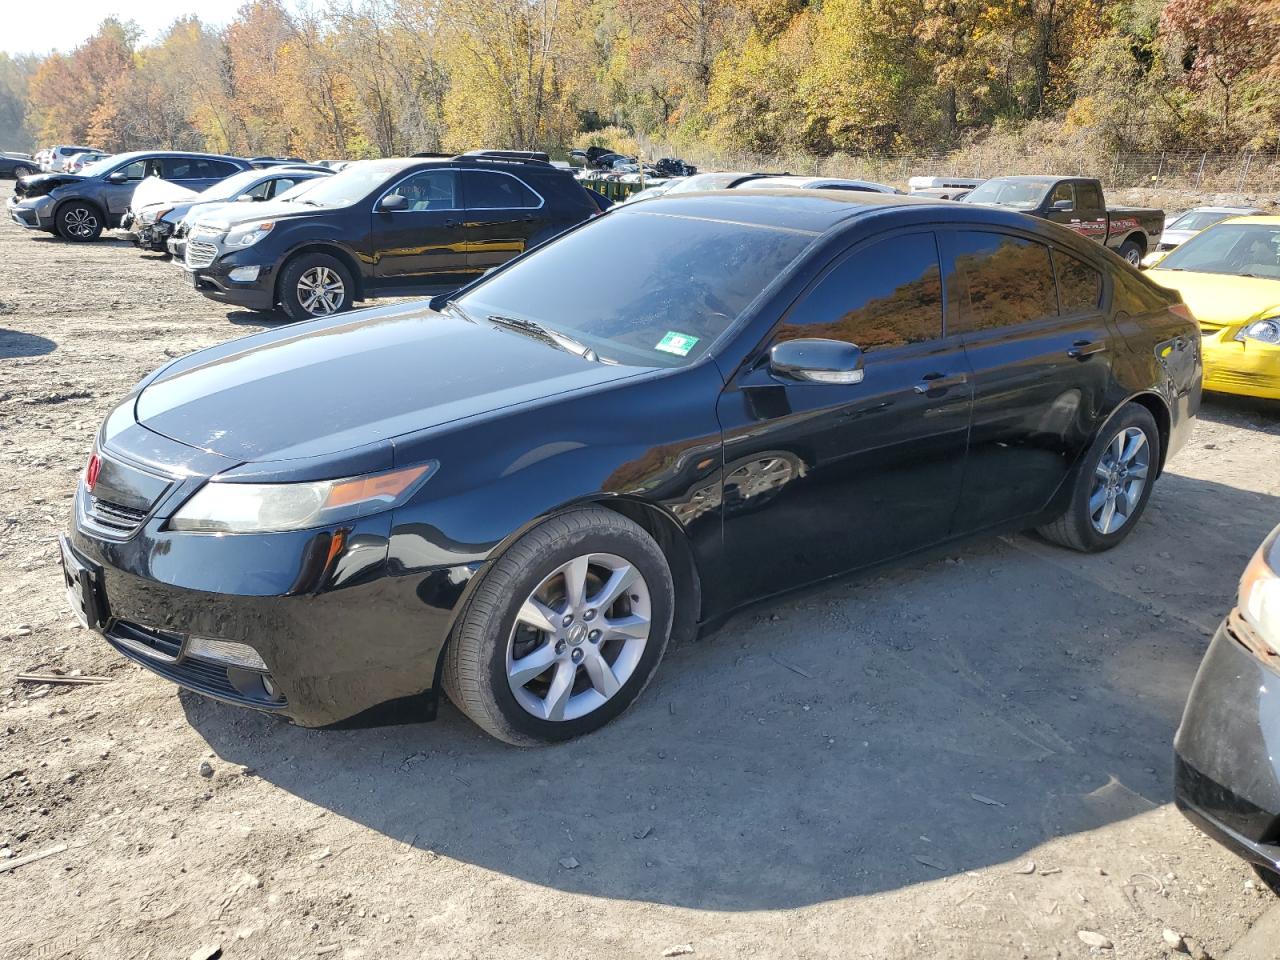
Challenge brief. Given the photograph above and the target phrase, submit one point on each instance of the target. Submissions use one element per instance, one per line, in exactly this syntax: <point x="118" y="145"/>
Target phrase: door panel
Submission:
<point x="119" y="195"/>
<point x="425" y="244"/>
<point x="1040" y="377"/>
<point x="503" y="216"/>
<point x="823" y="478"/>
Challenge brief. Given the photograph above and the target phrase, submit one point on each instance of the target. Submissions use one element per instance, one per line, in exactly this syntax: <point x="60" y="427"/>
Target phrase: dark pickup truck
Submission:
<point x="1076" y="203"/>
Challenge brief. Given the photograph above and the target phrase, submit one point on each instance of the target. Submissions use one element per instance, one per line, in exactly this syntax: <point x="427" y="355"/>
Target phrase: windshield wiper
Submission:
<point x="553" y="337"/>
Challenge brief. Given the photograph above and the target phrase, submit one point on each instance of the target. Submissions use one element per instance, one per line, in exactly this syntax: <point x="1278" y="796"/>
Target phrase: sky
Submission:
<point x="68" y="23"/>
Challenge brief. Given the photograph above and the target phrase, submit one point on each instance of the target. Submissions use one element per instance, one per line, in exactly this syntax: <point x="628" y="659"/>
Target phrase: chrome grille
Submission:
<point x="114" y="516"/>
<point x="199" y="253"/>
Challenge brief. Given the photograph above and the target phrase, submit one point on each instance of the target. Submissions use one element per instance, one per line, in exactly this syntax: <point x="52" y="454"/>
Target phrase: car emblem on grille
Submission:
<point x="91" y="472"/>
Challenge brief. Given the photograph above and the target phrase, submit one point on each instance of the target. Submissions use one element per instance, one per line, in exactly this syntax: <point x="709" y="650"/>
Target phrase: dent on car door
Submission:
<point x="1041" y="368"/>
<point x="826" y="477"/>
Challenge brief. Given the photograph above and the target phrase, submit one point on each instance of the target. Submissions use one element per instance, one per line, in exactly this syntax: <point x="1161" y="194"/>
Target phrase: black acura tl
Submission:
<point x="519" y="495"/>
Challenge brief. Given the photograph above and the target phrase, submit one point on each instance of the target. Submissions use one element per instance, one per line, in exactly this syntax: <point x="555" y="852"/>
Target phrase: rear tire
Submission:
<point x="1132" y="252"/>
<point x="596" y="652"/>
<point x="79" y="222"/>
<point x="315" y="285"/>
<point x="1113" y="484"/>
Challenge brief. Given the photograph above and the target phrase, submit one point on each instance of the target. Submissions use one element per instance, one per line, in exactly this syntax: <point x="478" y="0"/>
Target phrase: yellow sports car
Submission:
<point x="1229" y="275"/>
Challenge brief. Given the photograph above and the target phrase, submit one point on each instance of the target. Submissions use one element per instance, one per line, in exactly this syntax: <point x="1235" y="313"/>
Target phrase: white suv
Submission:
<point x="60" y="155"/>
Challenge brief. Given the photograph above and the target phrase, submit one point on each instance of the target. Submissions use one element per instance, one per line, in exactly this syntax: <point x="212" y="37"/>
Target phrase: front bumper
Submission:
<point x="150" y="236"/>
<point x="212" y="277"/>
<point x="33" y="214"/>
<point x="1246" y="368"/>
<point x="340" y="633"/>
<point x="1227" y="750"/>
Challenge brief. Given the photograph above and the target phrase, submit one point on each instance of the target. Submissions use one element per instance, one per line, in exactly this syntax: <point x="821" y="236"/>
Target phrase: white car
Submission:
<point x="816" y="183"/>
<point x="1182" y="228"/>
<point x="61" y="154"/>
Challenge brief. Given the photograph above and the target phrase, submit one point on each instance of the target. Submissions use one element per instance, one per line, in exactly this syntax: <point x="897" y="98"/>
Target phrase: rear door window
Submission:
<point x="1090" y="196"/>
<point x="498" y="191"/>
<point x="886" y="295"/>
<point x="1005" y="280"/>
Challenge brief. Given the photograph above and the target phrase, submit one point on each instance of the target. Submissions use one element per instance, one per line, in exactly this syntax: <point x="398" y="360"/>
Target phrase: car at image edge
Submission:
<point x="520" y="493"/>
<point x="1227" y="768"/>
<point x="78" y="207"/>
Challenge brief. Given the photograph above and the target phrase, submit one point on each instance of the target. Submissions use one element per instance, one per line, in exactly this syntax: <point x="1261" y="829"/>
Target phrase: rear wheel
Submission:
<point x="315" y="285"/>
<point x="1113" y="485"/>
<point x="79" y="222"/>
<point x="565" y="630"/>
<point x="1131" y="250"/>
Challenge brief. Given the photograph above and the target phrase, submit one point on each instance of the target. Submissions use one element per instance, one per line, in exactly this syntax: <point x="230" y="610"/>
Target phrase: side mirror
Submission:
<point x="1063" y="206"/>
<point x="119" y="176"/>
<point x="816" y="361"/>
<point x="393" y="202"/>
<point x="246" y="198"/>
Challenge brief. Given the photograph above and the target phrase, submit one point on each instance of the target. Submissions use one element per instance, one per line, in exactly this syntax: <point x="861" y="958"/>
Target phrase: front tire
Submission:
<point x="565" y="630"/>
<point x="1132" y="252"/>
<point x="20" y="171"/>
<point x="1114" y="483"/>
<point x="79" y="222"/>
<point x="315" y="285"/>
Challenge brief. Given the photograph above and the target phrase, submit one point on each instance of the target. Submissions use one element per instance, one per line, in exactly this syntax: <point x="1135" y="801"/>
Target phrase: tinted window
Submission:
<point x="431" y="190"/>
<point x="885" y="295"/>
<point x="219" y="168"/>
<point x="1090" y="196"/>
<point x="1007" y="280"/>
<point x="1062" y="192"/>
<point x="178" y="168"/>
<point x="1079" y="285"/>
<point x="498" y="191"/>
<point x="686" y="282"/>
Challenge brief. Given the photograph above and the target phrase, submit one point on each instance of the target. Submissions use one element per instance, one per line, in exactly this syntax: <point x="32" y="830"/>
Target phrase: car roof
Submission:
<point x="1240" y="210"/>
<point x="1251" y="221"/>
<point x="773" y="183"/>
<point x="821" y="211"/>
<point x="133" y="154"/>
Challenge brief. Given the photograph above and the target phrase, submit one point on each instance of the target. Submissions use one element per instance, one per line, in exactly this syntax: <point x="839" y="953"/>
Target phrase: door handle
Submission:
<point x="1084" y="349"/>
<point x="451" y="223"/>
<point x="939" y="382"/>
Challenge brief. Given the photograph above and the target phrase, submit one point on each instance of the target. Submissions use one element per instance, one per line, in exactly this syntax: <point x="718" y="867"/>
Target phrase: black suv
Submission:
<point x="383" y="228"/>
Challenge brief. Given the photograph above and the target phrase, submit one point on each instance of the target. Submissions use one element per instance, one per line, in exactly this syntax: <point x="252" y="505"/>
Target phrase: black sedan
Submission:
<point x="1227" y="763"/>
<point x="519" y="495"/>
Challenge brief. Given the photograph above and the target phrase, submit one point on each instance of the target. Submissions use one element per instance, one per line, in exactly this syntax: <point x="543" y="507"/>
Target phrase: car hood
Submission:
<point x="233" y="214"/>
<point x="39" y="184"/>
<point x="327" y="386"/>
<point x="154" y="190"/>
<point x="1221" y="299"/>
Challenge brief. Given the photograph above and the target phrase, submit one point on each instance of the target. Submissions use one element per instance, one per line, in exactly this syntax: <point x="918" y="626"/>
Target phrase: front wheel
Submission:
<point x="564" y="631"/>
<point x="79" y="222"/>
<point x="20" y="171"/>
<point x="315" y="285"/>
<point x="1113" y="485"/>
<point x="1132" y="252"/>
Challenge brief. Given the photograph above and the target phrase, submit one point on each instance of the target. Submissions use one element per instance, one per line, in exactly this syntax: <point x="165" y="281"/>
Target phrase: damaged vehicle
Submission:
<point x="78" y="207"/>
<point x="1226" y="761"/>
<point x="159" y="207"/>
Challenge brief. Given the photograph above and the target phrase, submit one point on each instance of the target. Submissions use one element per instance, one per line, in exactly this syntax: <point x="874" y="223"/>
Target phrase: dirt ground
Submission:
<point x="967" y="755"/>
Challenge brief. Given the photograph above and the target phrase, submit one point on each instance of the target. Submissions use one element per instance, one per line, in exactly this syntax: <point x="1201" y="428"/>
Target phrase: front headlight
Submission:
<point x="226" y="507"/>
<point x="1259" y="599"/>
<point x="1267" y="331"/>
<point x="246" y="235"/>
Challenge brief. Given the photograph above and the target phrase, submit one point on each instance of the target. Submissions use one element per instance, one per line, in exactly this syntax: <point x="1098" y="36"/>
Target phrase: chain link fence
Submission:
<point x="1251" y="173"/>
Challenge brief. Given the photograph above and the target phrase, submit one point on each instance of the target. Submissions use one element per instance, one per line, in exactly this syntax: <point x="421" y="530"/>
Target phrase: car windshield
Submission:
<point x="1199" y="219"/>
<point x="228" y="188"/>
<point x="682" y="283"/>
<point x="99" y="167"/>
<point x="1243" y="250"/>
<point x="351" y="185"/>
<point x="1018" y="194"/>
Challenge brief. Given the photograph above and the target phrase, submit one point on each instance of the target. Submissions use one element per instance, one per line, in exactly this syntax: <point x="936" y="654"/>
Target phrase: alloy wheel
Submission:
<point x="1134" y="257"/>
<point x="321" y="291"/>
<point x="578" y="637"/>
<point x="80" y="222"/>
<point x="1119" y="479"/>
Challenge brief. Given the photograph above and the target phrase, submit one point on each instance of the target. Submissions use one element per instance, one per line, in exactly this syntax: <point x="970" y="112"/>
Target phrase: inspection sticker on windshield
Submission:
<point x="678" y="343"/>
